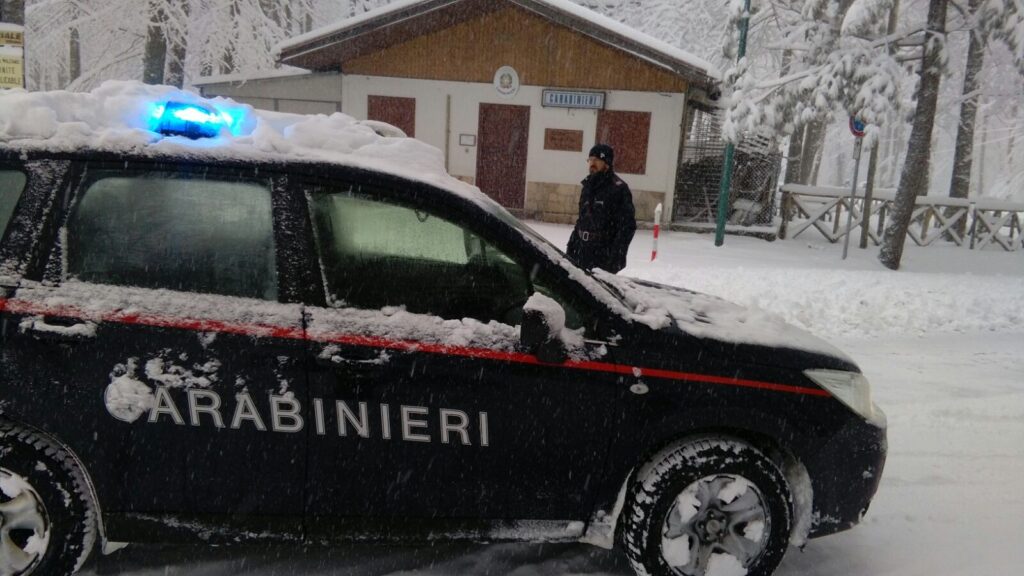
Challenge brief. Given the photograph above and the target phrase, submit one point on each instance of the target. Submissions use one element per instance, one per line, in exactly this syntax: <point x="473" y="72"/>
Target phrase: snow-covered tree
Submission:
<point x="985" y="21"/>
<point x="12" y="11"/>
<point x="962" y="158"/>
<point x="836" y="60"/>
<point x="700" y="27"/>
<point x="170" y="41"/>
<point x="914" y="178"/>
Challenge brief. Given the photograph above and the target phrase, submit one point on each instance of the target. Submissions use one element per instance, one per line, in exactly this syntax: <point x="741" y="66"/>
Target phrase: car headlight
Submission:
<point x="851" y="388"/>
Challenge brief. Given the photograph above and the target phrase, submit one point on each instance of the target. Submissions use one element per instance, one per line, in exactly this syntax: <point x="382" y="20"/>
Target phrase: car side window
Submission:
<point x="12" y="183"/>
<point x="575" y="315"/>
<point x="377" y="254"/>
<point x="161" y="230"/>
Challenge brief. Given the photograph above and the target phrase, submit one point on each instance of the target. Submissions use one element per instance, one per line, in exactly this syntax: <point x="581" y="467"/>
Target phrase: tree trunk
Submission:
<point x="914" y="178"/>
<point x="981" y="153"/>
<point x="839" y="177"/>
<point x="814" y="135"/>
<point x="1013" y="135"/>
<point x="175" y="67"/>
<point x="816" y="167"/>
<point x="796" y="139"/>
<point x="963" y="156"/>
<point x="869" y="194"/>
<point x="175" y="75"/>
<point x="227" y="62"/>
<point x="74" y="56"/>
<point x="796" y="145"/>
<point x="12" y="12"/>
<point x="890" y="29"/>
<point x="154" y="57"/>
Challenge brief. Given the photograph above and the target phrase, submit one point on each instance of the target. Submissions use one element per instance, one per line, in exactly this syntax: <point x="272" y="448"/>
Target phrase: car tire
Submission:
<point x="47" y="514"/>
<point x="704" y="503"/>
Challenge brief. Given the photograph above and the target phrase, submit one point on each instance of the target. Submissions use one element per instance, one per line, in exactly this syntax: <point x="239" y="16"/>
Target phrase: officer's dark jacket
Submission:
<point x="605" y="225"/>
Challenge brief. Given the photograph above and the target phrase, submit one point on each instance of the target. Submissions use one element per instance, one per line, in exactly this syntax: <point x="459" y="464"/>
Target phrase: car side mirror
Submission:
<point x="541" y="329"/>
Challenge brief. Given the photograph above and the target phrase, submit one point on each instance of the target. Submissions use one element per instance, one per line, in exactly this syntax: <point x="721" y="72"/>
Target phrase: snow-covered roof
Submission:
<point x="117" y="117"/>
<point x="578" y="18"/>
<point x="282" y="72"/>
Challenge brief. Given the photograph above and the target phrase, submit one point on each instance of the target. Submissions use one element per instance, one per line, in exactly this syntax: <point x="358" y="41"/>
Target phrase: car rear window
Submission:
<point x="12" y="182"/>
<point x="166" y="231"/>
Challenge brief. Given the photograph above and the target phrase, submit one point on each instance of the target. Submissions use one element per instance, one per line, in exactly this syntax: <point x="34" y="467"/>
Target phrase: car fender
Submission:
<point x="781" y="437"/>
<point x="7" y="418"/>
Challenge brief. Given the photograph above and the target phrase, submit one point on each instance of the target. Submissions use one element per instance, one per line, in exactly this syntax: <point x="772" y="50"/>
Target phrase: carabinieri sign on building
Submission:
<point x="12" y="56"/>
<point x="572" y="99"/>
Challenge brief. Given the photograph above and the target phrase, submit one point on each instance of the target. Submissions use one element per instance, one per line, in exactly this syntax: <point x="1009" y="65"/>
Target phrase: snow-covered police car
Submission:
<point x="221" y="325"/>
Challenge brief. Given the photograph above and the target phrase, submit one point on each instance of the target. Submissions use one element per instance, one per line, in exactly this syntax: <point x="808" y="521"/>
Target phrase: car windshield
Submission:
<point x="612" y="289"/>
<point x="505" y="216"/>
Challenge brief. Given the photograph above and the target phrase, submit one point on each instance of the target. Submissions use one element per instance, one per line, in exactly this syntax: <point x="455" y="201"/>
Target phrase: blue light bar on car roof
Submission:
<point x="189" y="120"/>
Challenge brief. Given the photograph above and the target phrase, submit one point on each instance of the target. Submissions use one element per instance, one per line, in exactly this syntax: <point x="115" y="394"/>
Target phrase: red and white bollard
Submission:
<point x="657" y="228"/>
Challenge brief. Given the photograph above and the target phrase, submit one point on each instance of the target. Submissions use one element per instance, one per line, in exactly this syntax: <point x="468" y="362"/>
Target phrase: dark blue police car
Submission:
<point x="246" y="337"/>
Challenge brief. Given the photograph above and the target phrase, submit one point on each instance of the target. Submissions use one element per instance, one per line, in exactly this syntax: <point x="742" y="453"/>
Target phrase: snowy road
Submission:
<point x="943" y="344"/>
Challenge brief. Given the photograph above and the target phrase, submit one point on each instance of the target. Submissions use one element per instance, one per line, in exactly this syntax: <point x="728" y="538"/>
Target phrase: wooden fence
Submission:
<point x="824" y="209"/>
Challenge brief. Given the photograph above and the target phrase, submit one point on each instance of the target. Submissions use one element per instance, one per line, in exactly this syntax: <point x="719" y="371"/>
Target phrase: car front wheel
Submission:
<point x="47" y="517"/>
<point x="707" y="506"/>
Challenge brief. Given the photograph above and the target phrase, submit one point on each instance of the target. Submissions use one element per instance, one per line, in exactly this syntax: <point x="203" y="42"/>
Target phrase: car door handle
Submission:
<point x="58" y="328"/>
<point x="371" y="360"/>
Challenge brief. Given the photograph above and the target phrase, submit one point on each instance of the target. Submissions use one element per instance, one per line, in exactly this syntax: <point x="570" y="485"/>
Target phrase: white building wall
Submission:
<point x="434" y="126"/>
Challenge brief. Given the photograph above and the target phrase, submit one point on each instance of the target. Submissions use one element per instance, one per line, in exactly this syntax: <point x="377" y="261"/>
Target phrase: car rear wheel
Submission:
<point x="704" y="507"/>
<point x="47" y="517"/>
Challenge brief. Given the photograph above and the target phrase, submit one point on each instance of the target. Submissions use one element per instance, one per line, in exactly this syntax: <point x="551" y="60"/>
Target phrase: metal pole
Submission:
<point x="853" y="197"/>
<point x="723" y="196"/>
<point x="730" y="149"/>
<point x="869" y="197"/>
<point x="657" y="228"/>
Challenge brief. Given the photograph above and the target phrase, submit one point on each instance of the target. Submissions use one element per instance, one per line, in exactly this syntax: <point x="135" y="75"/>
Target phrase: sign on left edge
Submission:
<point x="12" y="55"/>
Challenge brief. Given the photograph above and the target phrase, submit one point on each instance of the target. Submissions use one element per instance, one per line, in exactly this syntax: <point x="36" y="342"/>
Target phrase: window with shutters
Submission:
<point x="627" y="133"/>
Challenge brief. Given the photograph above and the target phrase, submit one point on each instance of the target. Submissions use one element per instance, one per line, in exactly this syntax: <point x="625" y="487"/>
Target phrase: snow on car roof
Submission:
<point x="117" y="117"/>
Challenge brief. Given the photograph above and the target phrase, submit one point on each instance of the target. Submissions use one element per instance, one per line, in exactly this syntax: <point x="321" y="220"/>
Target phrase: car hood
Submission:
<point x="714" y="320"/>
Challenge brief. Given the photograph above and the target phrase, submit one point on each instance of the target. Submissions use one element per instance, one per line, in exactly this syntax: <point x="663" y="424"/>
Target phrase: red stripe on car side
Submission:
<point x="266" y="330"/>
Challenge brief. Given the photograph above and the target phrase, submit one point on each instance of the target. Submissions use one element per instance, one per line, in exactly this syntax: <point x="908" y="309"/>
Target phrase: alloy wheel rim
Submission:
<point x="722" y="515"/>
<point x="24" y="526"/>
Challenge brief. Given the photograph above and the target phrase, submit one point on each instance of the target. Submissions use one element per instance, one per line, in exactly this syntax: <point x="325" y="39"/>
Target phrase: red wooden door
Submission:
<point x="399" y="112"/>
<point x="503" y="141"/>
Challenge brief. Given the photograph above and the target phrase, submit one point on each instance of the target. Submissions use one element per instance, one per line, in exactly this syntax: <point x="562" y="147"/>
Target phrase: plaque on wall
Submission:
<point x="565" y="140"/>
<point x="572" y="99"/>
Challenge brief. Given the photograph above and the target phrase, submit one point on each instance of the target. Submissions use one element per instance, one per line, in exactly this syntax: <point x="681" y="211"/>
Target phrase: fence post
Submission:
<point x="657" y="228"/>
<point x="974" y="226"/>
<point x="786" y="199"/>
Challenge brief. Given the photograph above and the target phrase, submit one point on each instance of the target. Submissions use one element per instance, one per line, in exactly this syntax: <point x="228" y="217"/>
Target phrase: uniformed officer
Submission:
<point x="607" y="220"/>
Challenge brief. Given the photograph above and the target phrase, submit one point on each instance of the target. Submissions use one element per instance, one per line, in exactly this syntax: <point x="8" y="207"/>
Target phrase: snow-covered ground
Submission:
<point x="942" y="342"/>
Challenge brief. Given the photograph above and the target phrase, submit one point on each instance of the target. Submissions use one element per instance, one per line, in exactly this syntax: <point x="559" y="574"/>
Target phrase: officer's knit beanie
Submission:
<point x="603" y="152"/>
